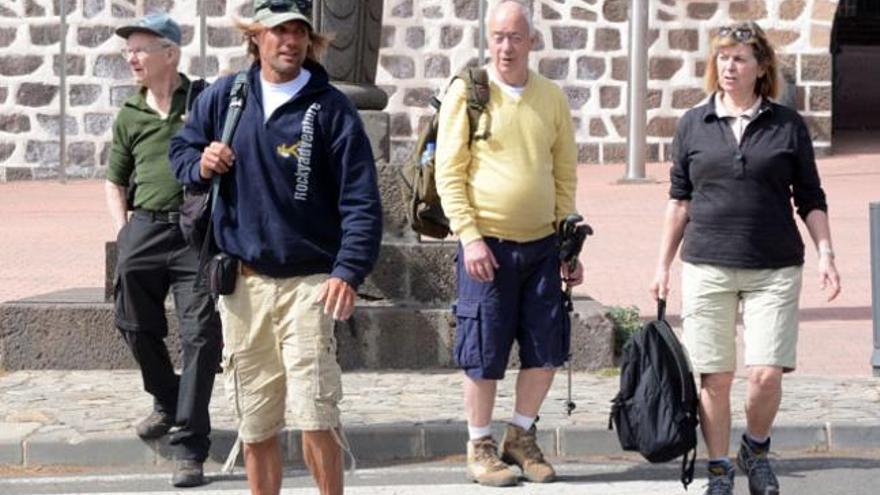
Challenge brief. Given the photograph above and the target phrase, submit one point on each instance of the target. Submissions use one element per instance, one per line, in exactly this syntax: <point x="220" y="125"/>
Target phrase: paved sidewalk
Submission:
<point x="87" y="417"/>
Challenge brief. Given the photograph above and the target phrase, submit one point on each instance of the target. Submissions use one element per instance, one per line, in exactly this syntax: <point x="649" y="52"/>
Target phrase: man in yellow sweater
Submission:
<point x="504" y="195"/>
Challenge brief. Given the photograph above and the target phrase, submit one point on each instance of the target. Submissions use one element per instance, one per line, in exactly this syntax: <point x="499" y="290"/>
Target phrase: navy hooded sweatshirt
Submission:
<point x="302" y="196"/>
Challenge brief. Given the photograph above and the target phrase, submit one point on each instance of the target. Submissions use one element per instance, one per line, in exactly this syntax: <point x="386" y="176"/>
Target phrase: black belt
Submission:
<point x="158" y="216"/>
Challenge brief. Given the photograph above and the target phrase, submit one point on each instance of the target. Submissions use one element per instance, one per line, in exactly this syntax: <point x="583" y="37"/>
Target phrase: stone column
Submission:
<point x="354" y="52"/>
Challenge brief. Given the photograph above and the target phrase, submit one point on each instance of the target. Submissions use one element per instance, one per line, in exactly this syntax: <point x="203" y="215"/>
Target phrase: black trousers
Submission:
<point x="153" y="259"/>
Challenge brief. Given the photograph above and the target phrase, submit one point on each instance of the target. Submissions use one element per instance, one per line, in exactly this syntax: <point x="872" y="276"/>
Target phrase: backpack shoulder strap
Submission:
<point x="237" y="97"/>
<point x="476" y="80"/>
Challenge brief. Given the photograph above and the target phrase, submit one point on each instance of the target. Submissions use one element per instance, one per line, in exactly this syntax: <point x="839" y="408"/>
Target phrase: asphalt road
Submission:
<point x="853" y="473"/>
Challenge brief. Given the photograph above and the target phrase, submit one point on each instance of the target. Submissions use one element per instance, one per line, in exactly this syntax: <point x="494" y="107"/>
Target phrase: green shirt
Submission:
<point x="140" y="145"/>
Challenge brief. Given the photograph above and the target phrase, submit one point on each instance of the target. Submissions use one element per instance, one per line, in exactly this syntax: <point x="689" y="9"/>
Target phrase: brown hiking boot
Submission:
<point x="520" y="447"/>
<point x="484" y="466"/>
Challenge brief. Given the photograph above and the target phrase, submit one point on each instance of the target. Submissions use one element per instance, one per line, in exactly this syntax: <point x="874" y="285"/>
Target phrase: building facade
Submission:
<point x="582" y="45"/>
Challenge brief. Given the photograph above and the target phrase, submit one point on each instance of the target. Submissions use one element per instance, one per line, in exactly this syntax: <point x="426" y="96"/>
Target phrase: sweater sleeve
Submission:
<point x="360" y="205"/>
<point x="680" y="185"/>
<point x="806" y="186"/>
<point x="564" y="163"/>
<point x="453" y="161"/>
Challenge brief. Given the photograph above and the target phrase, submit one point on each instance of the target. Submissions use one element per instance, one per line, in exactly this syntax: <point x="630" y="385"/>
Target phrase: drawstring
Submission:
<point x="342" y="440"/>
<point x="229" y="465"/>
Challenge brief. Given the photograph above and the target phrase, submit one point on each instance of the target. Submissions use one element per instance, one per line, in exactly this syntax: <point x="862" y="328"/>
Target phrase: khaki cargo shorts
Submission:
<point x="711" y="297"/>
<point x="279" y="344"/>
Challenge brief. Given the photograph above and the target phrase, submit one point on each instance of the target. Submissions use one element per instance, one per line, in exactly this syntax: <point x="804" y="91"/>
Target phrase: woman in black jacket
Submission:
<point x="738" y="161"/>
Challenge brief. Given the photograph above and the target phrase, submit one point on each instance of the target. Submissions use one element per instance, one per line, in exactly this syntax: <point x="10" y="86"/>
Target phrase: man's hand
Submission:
<point x="572" y="278"/>
<point x="479" y="262"/>
<point x="659" y="288"/>
<point x="338" y="298"/>
<point x="217" y="158"/>
<point x="828" y="276"/>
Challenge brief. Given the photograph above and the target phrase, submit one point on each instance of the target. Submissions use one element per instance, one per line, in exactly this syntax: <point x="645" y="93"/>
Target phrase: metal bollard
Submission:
<point x="875" y="282"/>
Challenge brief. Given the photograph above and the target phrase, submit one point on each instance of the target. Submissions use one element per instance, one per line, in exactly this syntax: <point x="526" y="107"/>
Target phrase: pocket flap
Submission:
<point x="467" y="309"/>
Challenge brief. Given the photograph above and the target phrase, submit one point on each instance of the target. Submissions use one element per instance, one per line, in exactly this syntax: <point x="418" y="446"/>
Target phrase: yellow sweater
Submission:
<point x="519" y="182"/>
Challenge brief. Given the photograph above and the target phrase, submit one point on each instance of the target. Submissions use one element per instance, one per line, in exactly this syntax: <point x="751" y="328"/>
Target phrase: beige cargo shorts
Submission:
<point x="711" y="298"/>
<point x="279" y="350"/>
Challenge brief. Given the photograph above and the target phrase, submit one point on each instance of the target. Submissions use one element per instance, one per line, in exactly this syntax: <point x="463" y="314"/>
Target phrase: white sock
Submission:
<point x="523" y="422"/>
<point x="476" y="432"/>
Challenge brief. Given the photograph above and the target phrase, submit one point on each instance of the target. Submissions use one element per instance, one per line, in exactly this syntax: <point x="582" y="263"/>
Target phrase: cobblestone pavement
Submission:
<point x="83" y="403"/>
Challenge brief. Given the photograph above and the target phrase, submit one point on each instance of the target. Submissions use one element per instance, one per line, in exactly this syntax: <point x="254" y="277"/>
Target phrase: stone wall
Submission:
<point x="583" y="46"/>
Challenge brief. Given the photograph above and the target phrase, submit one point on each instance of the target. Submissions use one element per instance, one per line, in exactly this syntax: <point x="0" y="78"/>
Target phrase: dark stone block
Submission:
<point x="437" y="66"/>
<point x="45" y="34"/>
<point x="415" y="37"/>
<point x="213" y="8"/>
<point x="75" y="65"/>
<point x="52" y="124"/>
<point x="112" y="67"/>
<point x="399" y="66"/>
<point x="588" y="153"/>
<point x="569" y="38"/>
<point x="14" y="123"/>
<point x="400" y="125"/>
<point x="431" y="269"/>
<point x="42" y="152"/>
<point x="118" y="94"/>
<point x="450" y="36"/>
<point x="466" y="9"/>
<point x="81" y="154"/>
<point x="387" y="38"/>
<point x="69" y="6"/>
<point x="92" y="36"/>
<point x="33" y="9"/>
<point x="18" y="173"/>
<point x="417" y="97"/>
<point x="35" y="94"/>
<point x="607" y="39"/>
<point x="84" y="94"/>
<point x="6" y="150"/>
<point x="7" y="36"/>
<point x="97" y="123"/>
<point x="553" y="68"/>
<point x="197" y="67"/>
<point x="590" y="68"/>
<point x="615" y="10"/>
<point x="577" y="96"/>
<point x="92" y="8"/>
<point x="19" y="65"/>
<point x="582" y="14"/>
<point x="224" y="37"/>
<point x="614" y="152"/>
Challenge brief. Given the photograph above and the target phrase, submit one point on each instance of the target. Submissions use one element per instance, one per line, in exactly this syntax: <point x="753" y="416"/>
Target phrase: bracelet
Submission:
<point x="826" y="251"/>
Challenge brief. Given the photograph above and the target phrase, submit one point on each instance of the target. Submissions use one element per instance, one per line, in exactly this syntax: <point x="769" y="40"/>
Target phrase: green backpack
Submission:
<point x="424" y="212"/>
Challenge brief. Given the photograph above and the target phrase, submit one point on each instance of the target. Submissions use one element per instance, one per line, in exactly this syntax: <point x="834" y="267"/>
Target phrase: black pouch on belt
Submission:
<point x="221" y="272"/>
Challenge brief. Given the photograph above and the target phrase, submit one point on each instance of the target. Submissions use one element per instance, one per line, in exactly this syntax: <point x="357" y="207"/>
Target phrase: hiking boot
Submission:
<point x="484" y="466"/>
<point x="187" y="474"/>
<point x="756" y="465"/>
<point x="520" y="447"/>
<point x="154" y="426"/>
<point x="720" y="481"/>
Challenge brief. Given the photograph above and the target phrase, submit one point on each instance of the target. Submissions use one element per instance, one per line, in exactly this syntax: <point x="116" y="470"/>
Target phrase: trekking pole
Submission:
<point x="571" y="241"/>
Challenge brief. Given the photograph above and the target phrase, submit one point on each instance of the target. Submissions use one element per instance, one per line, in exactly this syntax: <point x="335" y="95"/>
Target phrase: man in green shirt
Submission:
<point x="153" y="256"/>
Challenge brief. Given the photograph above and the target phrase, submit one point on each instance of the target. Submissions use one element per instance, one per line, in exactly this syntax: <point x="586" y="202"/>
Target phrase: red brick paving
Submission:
<point x="52" y="237"/>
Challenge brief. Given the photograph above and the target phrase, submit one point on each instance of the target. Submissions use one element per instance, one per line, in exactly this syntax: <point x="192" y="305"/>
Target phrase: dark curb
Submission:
<point x="385" y="443"/>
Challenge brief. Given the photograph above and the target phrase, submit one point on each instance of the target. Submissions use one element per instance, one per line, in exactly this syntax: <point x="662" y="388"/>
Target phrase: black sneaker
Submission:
<point x="187" y="474"/>
<point x="756" y="465"/>
<point x="154" y="426"/>
<point x="720" y="480"/>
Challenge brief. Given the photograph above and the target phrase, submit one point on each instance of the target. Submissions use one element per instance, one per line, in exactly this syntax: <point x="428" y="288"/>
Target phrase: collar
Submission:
<point x="722" y="112"/>
<point x="139" y="99"/>
<point x="708" y="108"/>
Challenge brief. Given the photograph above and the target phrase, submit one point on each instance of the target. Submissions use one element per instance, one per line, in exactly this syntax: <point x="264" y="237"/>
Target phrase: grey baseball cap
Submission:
<point x="271" y="13"/>
<point x="160" y="25"/>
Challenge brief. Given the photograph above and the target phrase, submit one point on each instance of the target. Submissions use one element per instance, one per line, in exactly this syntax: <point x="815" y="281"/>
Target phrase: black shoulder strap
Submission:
<point x="237" y="98"/>
<point x="665" y="331"/>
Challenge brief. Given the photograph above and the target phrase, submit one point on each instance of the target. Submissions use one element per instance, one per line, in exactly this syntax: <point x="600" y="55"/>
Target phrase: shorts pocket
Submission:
<point x="232" y="384"/>
<point x="468" y="350"/>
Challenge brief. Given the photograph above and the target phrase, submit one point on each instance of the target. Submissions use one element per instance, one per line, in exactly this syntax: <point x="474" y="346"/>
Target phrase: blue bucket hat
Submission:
<point x="160" y="25"/>
<point x="271" y="13"/>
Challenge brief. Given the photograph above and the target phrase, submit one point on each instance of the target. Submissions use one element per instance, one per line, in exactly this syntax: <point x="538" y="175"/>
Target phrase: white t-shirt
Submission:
<point x="275" y="95"/>
<point x="514" y="91"/>
<point x="737" y="123"/>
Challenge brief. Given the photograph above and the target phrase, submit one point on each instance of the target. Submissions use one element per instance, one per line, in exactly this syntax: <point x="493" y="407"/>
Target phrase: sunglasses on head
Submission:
<point x="739" y="33"/>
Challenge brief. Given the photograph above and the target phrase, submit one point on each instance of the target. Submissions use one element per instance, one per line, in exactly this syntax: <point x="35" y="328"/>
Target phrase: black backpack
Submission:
<point x="423" y="209"/>
<point x="655" y="412"/>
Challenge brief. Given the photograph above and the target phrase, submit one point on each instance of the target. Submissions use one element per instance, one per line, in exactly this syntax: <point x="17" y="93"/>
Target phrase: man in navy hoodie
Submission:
<point x="299" y="209"/>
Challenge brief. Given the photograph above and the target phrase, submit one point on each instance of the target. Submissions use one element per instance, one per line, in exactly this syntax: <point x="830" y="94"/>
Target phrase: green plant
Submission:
<point x="626" y="322"/>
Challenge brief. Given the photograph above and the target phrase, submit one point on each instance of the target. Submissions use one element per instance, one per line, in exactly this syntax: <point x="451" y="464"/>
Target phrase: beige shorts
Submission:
<point x="279" y="344"/>
<point x="711" y="297"/>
